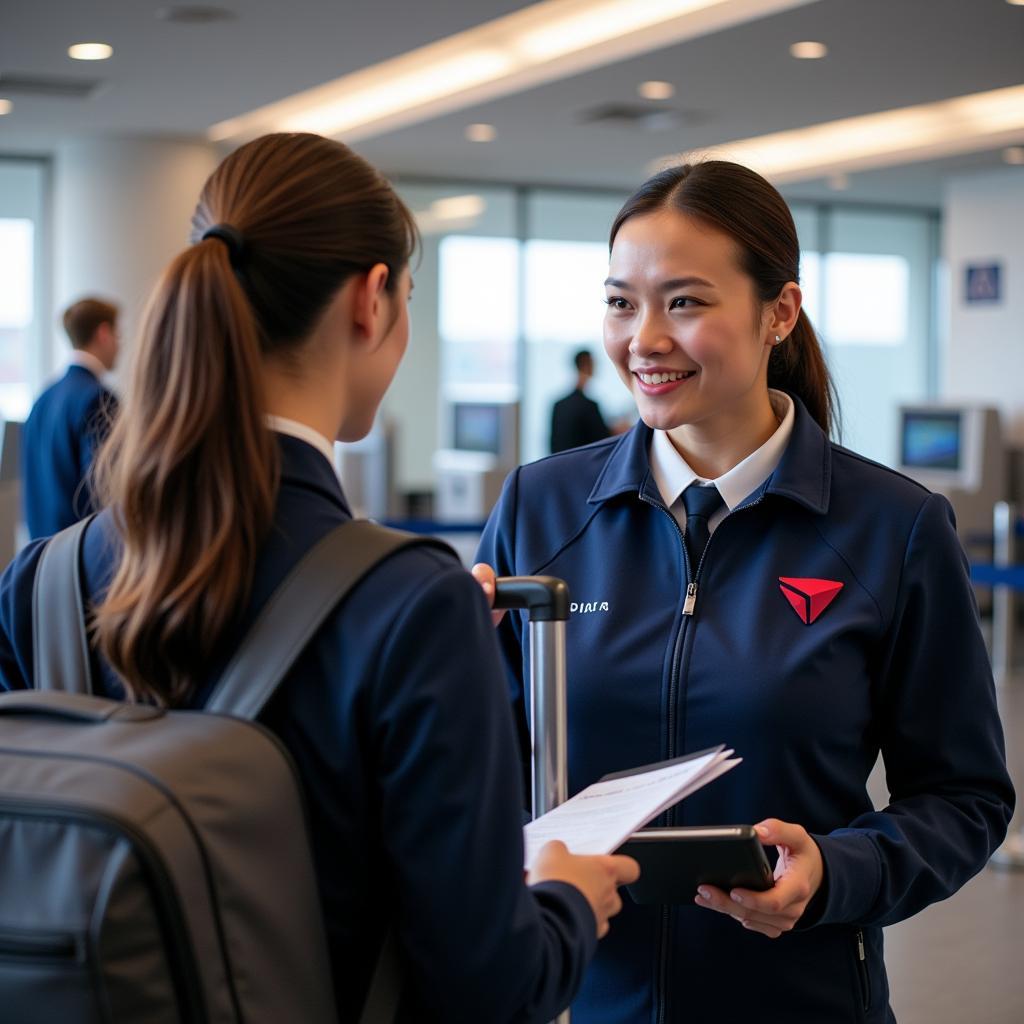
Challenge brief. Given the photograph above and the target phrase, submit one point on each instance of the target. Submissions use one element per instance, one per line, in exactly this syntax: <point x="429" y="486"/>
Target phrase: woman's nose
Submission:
<point x="649" y="338"/>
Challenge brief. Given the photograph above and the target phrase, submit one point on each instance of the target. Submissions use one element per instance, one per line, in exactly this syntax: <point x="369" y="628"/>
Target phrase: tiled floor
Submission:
<point x="962" y="961"/>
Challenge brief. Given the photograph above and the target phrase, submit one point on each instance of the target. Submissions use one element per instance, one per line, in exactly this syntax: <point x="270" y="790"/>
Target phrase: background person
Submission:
<point x="768" y="589"/>
<point x="277" y="331"/>
<point x="576" y="420"/>
<point x="69" y="421"/>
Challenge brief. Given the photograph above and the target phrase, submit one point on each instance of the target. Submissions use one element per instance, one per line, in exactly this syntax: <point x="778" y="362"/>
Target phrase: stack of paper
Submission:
<point x="603" y="816"/>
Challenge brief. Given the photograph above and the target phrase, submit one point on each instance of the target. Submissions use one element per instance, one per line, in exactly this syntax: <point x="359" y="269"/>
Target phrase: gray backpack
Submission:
<point x="155" y="865"/>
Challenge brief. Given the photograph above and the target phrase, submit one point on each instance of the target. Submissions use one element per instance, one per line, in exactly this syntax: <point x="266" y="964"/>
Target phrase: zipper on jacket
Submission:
<point x="39" y="945"/>
<point x="689" y="604"/>
<point x="862" y="972"/>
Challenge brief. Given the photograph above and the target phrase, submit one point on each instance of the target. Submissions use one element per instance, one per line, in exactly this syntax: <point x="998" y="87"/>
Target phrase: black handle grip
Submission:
<point x="546" y="598"/>
<point x="79" y="707"/>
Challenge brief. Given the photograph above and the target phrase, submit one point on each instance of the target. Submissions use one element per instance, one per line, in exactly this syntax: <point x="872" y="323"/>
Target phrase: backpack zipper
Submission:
<point x="26" y="944"/>
<point x="182" y="962"/>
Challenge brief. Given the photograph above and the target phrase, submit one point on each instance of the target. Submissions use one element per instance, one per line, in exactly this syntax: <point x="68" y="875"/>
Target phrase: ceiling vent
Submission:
<point x="194" y="14"/>
<point x="49" y="86"/>
<point x="642" y="116"/>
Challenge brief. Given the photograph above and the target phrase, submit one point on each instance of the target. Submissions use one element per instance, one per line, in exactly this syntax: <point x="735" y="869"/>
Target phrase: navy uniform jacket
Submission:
<point x="808" y="696"/>
<point x="576" y="420"/>
<point x="398" y="720"/>
<point x="60" y="438"/>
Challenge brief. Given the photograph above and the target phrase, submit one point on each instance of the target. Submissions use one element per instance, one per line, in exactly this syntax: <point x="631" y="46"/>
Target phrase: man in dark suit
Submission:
<point x="69" y="422"/>
<point x="576" y="420"/>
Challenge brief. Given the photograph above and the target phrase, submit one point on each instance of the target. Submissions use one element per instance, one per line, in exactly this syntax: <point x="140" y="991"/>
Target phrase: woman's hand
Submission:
<point x="798" y="876"/>
<point x="484" y="575"/>
<point x="597" y="877"/>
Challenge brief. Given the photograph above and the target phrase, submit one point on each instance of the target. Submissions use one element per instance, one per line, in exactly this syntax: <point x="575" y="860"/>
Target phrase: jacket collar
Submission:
<point x="305" y="467"/>
<point x="803" y="474"/>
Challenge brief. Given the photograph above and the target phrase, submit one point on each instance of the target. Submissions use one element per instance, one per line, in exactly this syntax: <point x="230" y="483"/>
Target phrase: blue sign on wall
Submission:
<point x="983" y="282"/>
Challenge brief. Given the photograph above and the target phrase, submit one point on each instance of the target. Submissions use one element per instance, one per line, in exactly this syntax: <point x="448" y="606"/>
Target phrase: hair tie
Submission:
<point x="232" y="238"/>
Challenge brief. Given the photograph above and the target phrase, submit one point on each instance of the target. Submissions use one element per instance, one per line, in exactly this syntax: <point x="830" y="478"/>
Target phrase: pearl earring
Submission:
<point x="778" y="340"/>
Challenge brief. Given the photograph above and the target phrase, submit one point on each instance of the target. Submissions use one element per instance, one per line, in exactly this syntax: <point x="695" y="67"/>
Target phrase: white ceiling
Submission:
<point x="176" y="80"/>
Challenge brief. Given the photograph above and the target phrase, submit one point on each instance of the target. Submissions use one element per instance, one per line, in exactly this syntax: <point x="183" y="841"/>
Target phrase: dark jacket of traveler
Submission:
<point x="576" y="420"/>
<point x="399" y="723"/>
<point x="895" y="664"/>
<point x="60" y="438"/>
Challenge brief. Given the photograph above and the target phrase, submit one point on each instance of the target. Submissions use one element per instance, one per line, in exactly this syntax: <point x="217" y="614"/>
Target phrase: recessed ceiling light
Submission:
<point x="656" y="90"/>
<point x="5" y="107"/>
<point x="1016" y="3"/>
<point x="90" y="51"/>
<point x="481" y="132"/>
<point x="808" y="50"/>
<point x="1014" y="154"/>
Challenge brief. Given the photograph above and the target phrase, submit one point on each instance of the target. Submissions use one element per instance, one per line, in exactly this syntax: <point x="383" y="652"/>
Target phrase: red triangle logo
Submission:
<point x="809" y="598"/>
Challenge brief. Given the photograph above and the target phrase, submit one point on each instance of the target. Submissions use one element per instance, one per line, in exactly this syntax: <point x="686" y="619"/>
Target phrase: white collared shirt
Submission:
<point x="79" y="357"/>
<point x="673" y="474"/>
<point x="304" y="433"/>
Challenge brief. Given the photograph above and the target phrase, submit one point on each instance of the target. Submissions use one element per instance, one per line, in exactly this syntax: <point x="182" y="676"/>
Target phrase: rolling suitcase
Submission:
<point x="546" y="602"/>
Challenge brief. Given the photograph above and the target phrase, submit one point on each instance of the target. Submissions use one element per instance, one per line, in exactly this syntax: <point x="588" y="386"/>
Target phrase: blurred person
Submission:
<point x="69" y="422"/>
<point x="576" y="420"/>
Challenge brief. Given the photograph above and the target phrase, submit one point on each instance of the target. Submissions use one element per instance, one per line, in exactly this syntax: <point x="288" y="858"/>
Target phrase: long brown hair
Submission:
<point x="746" y="207"/>
<point x="190" y="469"/>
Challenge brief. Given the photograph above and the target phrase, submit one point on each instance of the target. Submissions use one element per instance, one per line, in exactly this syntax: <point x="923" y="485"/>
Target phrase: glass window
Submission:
<point x="24" y="360"/>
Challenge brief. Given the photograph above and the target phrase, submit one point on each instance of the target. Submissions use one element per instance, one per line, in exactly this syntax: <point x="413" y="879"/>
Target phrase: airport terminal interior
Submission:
<point x="514" y="132"/>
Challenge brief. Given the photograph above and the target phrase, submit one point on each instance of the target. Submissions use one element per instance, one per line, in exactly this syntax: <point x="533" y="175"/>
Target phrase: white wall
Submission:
<point x="121" y="211"/>
<point x="984" y="361"/>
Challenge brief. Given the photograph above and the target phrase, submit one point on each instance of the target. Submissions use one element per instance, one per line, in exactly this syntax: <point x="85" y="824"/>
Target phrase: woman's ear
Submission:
<point x="785" y="312"/>
<point x="370" y="308"/>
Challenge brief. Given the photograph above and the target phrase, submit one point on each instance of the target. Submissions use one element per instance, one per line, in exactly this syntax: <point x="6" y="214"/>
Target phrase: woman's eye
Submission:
<point x="616" y="302"/>
<point x="682" y="301"/>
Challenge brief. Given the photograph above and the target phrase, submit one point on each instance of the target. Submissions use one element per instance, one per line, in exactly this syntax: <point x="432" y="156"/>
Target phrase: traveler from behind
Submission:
<point x="69" y="421"/>
<point x="278" y="330"/>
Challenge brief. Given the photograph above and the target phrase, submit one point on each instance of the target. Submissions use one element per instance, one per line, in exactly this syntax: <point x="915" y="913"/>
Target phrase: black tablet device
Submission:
<point x="674" y="861"/>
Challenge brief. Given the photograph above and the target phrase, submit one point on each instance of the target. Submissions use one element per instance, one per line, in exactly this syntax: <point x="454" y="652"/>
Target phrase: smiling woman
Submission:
<point x="769" y="589"/>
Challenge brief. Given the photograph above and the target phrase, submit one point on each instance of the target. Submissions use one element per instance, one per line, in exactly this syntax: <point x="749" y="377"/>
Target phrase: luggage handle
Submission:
<point x="546" y="598"/>
<point x="79" y="707"/>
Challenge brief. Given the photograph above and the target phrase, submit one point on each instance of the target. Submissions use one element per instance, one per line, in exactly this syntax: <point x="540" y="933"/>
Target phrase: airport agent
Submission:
<point x="278" y="330"/>
<point x="739" y="578"/>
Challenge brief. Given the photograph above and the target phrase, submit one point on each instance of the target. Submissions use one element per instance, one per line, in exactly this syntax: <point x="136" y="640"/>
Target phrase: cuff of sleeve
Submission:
<point x="852" y="876"/>
<point x="577" y="908"/>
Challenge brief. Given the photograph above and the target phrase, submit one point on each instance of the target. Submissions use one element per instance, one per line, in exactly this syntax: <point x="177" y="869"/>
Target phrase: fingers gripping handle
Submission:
<point x="546" y="598"/>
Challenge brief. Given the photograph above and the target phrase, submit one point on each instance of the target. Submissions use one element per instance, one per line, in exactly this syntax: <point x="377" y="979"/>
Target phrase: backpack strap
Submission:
<point x="297" y="609"/>
<point x="60" y="640"/>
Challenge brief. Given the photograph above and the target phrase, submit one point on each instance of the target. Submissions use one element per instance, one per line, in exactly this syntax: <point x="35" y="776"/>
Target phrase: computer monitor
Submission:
<point x="476" y="427"/>
<point x="932" y="440"/>
<point x="959" y="451"/>
<point x="491" y="428"/>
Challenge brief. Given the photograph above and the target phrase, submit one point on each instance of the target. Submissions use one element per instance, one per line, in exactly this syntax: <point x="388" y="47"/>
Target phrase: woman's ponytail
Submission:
<point x="797" y="366"/>
<point x="191" y="468"/>
<point x="191" y="472"/>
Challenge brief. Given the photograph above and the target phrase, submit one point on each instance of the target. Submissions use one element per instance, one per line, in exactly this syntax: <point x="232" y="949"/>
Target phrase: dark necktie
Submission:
<point x="701" y="504"/>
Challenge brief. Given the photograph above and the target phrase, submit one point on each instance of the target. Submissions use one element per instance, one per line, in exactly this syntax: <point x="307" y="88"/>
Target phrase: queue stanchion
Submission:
<point x="1004" y="624"/>
<point x="546" y="601"/>
<point x="1004" y="598"/>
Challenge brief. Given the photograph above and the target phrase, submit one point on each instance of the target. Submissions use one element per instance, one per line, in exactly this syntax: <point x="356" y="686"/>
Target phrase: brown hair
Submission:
<point x="83" y="318"/>
<point x="190" y="469"/>
<point x="746" y="207"/>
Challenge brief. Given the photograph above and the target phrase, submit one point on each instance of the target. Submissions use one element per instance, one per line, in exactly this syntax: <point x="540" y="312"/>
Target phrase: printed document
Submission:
<point x="600" y="818"/>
